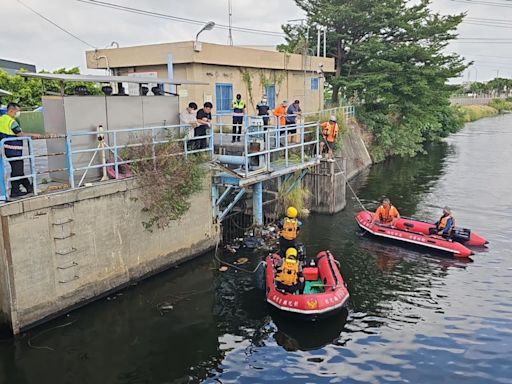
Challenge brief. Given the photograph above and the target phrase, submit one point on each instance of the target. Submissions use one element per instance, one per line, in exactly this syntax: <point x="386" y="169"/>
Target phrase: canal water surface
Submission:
<point x="412" y="317"/>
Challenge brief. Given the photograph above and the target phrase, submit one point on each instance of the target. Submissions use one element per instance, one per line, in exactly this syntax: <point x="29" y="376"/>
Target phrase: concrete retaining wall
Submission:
<point x="61" y="250"/>
<point x="354" y="151"/>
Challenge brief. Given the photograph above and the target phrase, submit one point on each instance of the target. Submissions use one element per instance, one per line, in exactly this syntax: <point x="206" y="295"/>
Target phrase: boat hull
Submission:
<point x="417" y="233"/>
<point x="311" y="306"/>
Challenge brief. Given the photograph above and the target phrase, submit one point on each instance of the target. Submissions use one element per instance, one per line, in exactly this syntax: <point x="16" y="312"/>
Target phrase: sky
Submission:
<point x="27" y="37"/>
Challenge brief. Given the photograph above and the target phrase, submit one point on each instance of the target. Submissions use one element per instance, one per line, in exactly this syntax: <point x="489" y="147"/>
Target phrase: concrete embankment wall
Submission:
<point x="63" y="249"/>
<point x="327" y="181"/>
<point x="354" y="151"/>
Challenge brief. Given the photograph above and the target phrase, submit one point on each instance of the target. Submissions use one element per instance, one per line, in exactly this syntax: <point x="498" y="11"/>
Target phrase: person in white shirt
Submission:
<point x="188" y="117"/>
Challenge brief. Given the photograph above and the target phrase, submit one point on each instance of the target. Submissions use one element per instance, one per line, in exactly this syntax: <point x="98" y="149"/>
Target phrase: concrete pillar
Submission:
<point x="327" y="185"/>
<point x="257" y="203"/>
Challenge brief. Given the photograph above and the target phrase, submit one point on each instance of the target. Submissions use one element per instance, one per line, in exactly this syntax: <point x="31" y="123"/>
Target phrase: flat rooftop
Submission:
<point x="214" y="54"/>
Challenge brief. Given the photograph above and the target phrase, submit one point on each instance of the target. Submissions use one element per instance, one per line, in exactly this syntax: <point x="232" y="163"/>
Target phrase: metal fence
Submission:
<point x="275" y="146"/>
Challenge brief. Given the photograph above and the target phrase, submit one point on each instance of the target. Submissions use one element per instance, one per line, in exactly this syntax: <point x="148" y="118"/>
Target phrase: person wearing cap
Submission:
<point x="330" y="131"/>
<point x="11" y="129"/>
<point x="239" y="109"/>
<point x="444" y="226"/>
<point x="386" y="213"/>
<point x="262" y="107"/>
<point x="280" y="114"/>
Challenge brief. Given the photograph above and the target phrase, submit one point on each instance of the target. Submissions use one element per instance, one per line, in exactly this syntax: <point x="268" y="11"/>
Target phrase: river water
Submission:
<point x="412" y="317"/>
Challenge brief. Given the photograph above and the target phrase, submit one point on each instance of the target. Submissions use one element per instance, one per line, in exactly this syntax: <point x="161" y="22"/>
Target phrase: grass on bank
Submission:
<point x="476" y="112"/>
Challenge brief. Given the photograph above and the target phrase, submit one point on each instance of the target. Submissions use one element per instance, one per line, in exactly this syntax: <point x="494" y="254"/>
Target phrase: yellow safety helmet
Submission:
<point x="291" y="212"/>
<point x="291" y="253"/>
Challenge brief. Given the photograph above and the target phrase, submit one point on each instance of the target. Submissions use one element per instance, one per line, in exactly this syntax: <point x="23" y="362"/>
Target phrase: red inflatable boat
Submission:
<point x="417" y="232"/>
<point x="324" y="292"/>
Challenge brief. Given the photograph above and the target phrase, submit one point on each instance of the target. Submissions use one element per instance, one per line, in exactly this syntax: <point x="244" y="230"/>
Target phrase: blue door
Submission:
<point x="270" y="91"/>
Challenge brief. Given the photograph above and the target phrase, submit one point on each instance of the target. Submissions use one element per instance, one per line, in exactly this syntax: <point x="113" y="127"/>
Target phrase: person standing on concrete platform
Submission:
<point x="204" y="121"/>
<point x="280" y="114"/>
<point x="292" y="113"/>
<point x="9" y="128"/>
<point x="330" y="131"/>
<point x="189" y="117"/>
<point x="263" y="109"/>
<point x="289" y="229"/>
<point x="239" y="109"/>
<point x="386" y="213"/>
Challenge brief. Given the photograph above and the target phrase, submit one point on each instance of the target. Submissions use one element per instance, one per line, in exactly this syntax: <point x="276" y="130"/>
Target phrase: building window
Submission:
<point x="270" y="91"/>
<point x="223" y="97"/>
<point x="314" y="83"/>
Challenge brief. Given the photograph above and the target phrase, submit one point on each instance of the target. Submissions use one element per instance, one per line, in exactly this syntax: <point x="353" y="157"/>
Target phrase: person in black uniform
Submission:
<point x="204" y="121"/>
<point x="263" y="109"/>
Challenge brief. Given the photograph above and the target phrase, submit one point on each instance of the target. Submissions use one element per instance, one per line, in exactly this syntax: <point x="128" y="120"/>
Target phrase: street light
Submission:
<point x="207" y="27"/>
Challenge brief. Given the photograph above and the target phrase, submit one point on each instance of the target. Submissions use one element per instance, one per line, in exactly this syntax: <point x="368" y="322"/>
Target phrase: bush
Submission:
<point x="501" y="104"/>
<point x="475" y="112"/>
<point x="167" y="182"/>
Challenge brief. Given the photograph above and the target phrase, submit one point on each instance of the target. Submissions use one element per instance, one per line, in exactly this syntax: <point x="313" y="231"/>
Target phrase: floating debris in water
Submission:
<point x="241" y="260"/>
<point x="223" y="268"/>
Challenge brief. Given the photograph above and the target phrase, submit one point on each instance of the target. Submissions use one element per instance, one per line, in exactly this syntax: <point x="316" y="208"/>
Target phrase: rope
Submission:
<point x="233" y="265"/>
<point x="345" y="177"/>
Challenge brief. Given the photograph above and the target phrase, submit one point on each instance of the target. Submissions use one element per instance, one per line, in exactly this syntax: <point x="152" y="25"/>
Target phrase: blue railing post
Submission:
<point x="69" y="160"/>
<point x="32" y="161"/>
<point x="116" y="164"/>
<point x="246" y="154"/>
<point x="3" y="186"/>
<point x="257" y="203"/>
<point x="212" y="144"/>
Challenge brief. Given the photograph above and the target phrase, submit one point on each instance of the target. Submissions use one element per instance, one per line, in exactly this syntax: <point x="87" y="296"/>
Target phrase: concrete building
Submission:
<point x="227" y="69"/>
<point x="11" y="67"/>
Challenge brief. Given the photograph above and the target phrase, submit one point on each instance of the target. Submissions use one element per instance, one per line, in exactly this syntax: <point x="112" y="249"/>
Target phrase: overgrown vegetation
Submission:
<point x="476" y="112"/>
<point x="297" y="197"/>
<point x="501" y="104"/>
<point x="391" y="63"/>
<point x="167" y="182"/>
<point x="29" y="91"/>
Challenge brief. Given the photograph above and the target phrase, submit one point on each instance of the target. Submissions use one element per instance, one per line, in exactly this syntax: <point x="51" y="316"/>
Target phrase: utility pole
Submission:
<point x="230" y="12"/>
<point x="325" y="39"/>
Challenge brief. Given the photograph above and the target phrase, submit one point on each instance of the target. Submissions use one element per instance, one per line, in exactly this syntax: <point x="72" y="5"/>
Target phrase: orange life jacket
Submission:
<point x="288" y="272"/>
<point x="330" y="130"/>
<point x="386" y="215"/>
<point x="443" y="221"/>
<point x="289" y="231"/>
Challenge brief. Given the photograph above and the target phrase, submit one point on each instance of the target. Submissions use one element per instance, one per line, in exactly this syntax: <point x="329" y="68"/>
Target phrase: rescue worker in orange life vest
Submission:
<point x="445" y="224"/>
<point x="386" y="213"/>
<point x="289" y="277"/>
<point x="289" y="229"/>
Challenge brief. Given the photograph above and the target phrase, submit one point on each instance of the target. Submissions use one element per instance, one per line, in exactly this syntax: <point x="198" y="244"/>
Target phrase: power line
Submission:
<point x="481" y="2"/>
<point x="139" y="11"/>
<point x="55" y="24"/>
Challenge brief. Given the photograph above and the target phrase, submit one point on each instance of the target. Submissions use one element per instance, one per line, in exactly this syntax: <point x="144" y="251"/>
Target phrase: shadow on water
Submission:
<point x="300" y="335"/>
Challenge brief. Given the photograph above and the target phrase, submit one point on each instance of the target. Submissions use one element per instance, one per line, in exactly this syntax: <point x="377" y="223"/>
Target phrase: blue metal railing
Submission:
<point x="117" y="145"/>
<point x="273" y="139"/>
<point x="5" y="179"/>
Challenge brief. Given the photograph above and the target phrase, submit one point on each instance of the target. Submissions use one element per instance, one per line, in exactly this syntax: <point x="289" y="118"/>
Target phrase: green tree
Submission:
<point x="29" y="91"/>
<point x="390" y="61"/>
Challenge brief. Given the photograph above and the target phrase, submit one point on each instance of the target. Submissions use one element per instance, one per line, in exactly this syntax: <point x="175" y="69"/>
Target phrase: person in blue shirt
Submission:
<point x="444" y="226"/>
